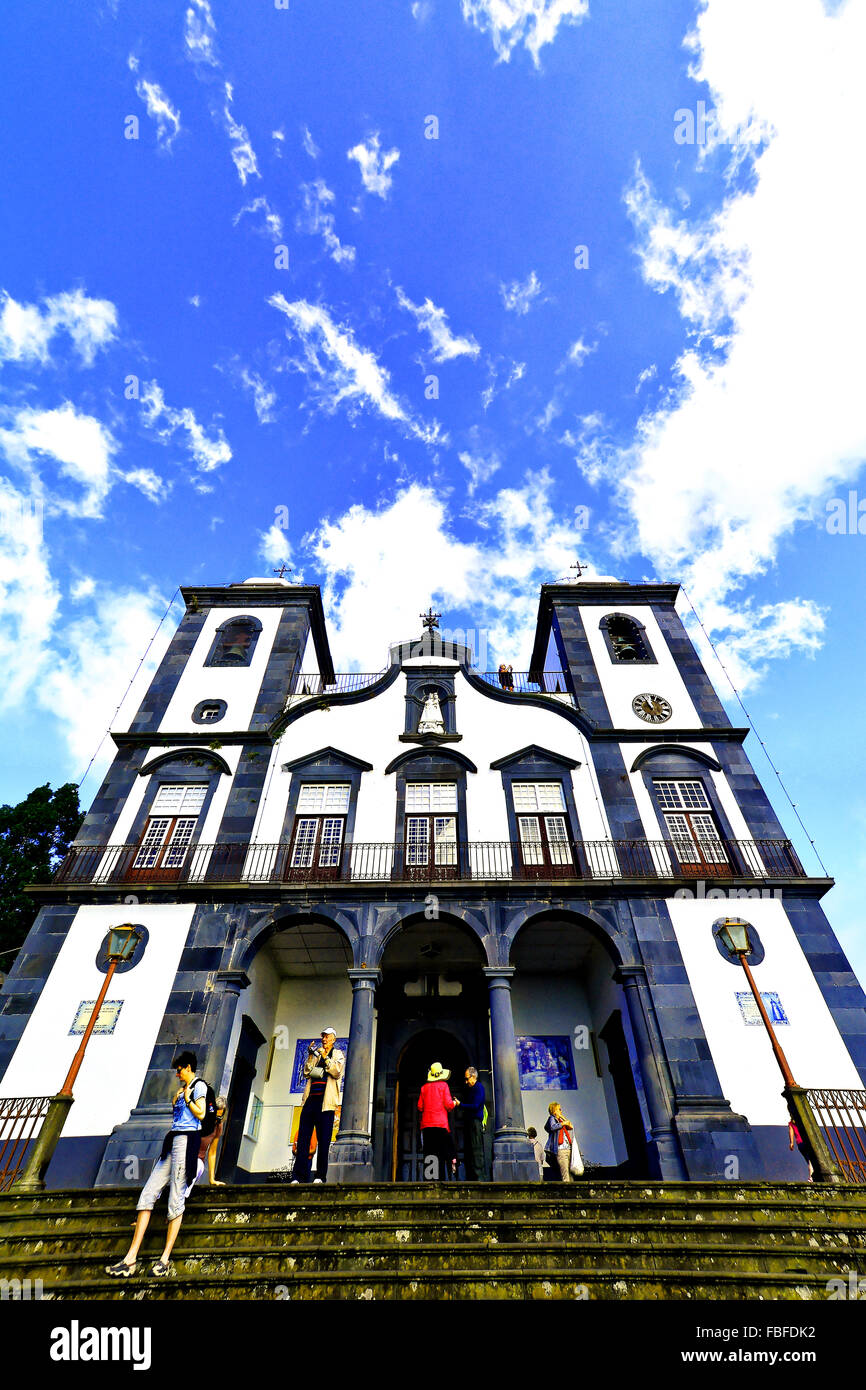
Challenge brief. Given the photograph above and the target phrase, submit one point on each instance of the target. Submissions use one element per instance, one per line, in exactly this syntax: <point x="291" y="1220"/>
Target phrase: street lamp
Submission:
<point x="733" y="933"/>
<point x="122" y="942"/>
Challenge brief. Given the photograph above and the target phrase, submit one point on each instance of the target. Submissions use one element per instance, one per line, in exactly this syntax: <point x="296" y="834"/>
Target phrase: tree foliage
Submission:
<point x="34" y="837"/>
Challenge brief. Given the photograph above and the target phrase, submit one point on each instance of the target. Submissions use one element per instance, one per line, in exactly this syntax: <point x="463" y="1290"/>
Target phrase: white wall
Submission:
<point x="747" y="1069"/>
<point x="110" y="1081"/>
<point x="237" y="685"/>
<point x="304" y="1007"/>
<point x="556" y="1005"/>
<point x="621" y="681"/>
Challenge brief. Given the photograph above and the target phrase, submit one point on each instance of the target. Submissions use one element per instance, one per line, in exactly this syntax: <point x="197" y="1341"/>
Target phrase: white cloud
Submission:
<point x="310" y="145"/>
<point x="26" y="330"/>
<point x="82" y="589"/>
<point x="422" y="10"/>
<point x="766" y="415"/>
<point x="273" y="223"/>
<point x="433" y="321"/>
<point x="158" y="107"/>
<point x="207" y="453"/>
<point x="156" y="489"/>
<point x="579" y="351"/>
<point x="195" y="301"/>
<point x="518" y="298"/>
<point x="29" y="593"/>
<point x="480" y="467"/>
<point x="316" y="220"/>
<point x="200" y="34"/>
<point x="344" y="373"/>
<point x="274" y="547"/>
<point x="515" y="372"/>
<point x="80" y="444"/>
<point x="648" y="374"/>
<point x="242" y="152"/>
<point x="374" y="165"/>
<point x="366" y="555"/>
<point x="264" y="399"/>
<point x="533" y="23"/>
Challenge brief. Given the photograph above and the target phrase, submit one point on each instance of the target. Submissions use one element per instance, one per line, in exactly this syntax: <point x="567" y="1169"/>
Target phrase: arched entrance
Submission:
<point x="432" y="1006"/>
<point x="574" y="1042"/>
<point x="431" y="1045"/>
<point x="299" y="984"/>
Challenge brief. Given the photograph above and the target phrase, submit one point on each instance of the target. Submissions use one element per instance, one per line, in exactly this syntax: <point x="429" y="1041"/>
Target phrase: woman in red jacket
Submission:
<point x="434" y="1103"/>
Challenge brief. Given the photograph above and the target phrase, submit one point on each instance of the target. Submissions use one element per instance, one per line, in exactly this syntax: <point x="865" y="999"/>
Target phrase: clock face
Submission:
<point x="653" y="708"/>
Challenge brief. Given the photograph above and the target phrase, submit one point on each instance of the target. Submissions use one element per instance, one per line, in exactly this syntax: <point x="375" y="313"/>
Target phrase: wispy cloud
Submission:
<point x="207" y="452"/>
<point x="309" y="144"/>
<point x="433" y="321"/>
<point x="516" y="370"/>
<point x="272" y="223"/>
<point x="518" y="297"/>
<point x="242" y="152"/>
<point x="317" y="220"/>
<point x="344" y="374"/>
<point x="158" y="107"/>
<point x="200" y="34"/>
<point x="374" y="163"/>
<point x="533" y="23"/>
<point x="26" y="331"/>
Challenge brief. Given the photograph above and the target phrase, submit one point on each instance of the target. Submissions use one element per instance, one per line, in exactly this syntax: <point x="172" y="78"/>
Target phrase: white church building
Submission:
<point x="526" y="872"/>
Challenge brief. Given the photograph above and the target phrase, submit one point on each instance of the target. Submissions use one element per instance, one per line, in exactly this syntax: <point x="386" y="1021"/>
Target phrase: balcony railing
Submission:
<point x="345" y="683"/>
<point x="475" y="860"/>
<point x="526" y="683"/>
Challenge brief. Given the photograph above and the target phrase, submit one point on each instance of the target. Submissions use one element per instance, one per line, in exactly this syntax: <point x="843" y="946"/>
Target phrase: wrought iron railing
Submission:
<point x="19" y="1118"/>
<point x="346" y="683"/>
<point x="842" y="1117"/>
<point x="382" y="862"/>
<point x="527" y="682"/>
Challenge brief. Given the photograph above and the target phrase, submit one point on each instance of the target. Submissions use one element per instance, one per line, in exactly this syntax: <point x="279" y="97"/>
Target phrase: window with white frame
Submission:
<point x="171" y="825"/>
<point x="430" y="829"/>
<point x="544" y="837"/>
<point x="320" y="824"/>
<point x="690" y="821"/>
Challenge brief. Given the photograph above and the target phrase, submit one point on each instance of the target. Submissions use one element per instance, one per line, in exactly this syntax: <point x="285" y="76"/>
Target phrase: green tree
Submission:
<point x="34" y="837"/>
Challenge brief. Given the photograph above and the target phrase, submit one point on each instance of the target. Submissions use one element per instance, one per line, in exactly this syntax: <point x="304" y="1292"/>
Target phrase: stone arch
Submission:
<point x="587" y="918"/>
<point x="283" y="919"/>
<point x="473" y="924"/>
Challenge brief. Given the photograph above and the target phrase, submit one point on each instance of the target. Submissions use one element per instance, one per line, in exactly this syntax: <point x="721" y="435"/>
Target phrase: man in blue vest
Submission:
<point x="472" y="1110"/>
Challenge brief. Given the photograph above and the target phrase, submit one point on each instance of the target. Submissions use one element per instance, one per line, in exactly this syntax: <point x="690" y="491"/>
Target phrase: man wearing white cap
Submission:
<point x="322" y="1069"/>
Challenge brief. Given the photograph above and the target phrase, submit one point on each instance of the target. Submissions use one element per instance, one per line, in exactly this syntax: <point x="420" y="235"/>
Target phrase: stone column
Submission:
<point x="351" y="1157"/>
<point x="652" y="1067"/>
<point x="513" y="1156"/>
<point x="216" y="1064"/>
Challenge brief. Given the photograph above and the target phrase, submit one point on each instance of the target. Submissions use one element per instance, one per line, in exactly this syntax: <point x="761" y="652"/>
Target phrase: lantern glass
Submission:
<point x="735" y="936"/>
<point x="122" y="941"/>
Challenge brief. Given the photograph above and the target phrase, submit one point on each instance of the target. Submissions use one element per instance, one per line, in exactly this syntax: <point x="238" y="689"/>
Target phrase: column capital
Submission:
<point x="233" y="980"/>
<point x="499" y="974"/>
<point x="364" y="978"/>
<point x="630" y="975"/>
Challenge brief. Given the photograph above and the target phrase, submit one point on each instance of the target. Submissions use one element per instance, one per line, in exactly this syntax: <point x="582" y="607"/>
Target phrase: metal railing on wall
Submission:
<point x="842" y="1116"/>
<point x="19" y="1121"/>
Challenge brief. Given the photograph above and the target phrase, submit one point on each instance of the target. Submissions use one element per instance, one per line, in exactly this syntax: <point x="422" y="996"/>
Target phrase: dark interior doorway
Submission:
<point x="433" y="1045"/>
<point x="613" y="1037"/>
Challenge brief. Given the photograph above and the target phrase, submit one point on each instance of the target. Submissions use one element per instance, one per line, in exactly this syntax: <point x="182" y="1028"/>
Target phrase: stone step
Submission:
<point x="284" y="1234"/>
<point x="591" y="1283"/>
<point x="406" y="1261"/>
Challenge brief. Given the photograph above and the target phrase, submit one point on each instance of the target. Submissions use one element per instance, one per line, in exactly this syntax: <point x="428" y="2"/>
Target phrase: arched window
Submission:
<point x="626" y="638"/>
<point x="235" y="642"/>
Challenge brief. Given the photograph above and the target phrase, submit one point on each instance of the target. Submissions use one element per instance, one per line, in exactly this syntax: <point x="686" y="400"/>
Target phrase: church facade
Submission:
<point x="525" y="872"/>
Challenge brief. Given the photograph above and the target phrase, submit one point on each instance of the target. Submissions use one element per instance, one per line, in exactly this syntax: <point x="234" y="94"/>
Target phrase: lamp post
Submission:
<point x="734" y="936"/>
<point x="122" y="942"/>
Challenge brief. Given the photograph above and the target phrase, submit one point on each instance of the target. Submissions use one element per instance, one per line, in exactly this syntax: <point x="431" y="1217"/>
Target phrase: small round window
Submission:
<point x="209" y="711"/>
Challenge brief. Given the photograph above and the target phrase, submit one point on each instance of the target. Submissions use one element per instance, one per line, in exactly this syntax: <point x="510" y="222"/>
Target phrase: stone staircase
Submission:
<point x="588" y="1240"/>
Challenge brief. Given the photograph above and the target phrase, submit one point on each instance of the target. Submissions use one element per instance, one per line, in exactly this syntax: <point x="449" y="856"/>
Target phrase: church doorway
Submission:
<point x="432" y="1045"/>
<point x="432" y="1006"/>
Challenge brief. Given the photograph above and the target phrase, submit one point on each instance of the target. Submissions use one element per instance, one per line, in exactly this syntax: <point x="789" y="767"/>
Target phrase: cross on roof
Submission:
<point x="579" y="567"/>
<point x="281" y="572"/>
<point x="430" y="619"/>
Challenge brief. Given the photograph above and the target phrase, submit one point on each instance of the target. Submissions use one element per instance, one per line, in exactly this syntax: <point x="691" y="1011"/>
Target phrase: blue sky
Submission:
<point x="241" y="281"/>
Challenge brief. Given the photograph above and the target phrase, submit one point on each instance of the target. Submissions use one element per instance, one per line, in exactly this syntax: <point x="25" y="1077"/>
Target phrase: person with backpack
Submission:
<point x="177" y="1165"/>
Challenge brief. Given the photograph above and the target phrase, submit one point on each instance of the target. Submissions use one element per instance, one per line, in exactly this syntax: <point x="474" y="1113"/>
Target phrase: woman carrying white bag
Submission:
<point x="561" y="1147"/>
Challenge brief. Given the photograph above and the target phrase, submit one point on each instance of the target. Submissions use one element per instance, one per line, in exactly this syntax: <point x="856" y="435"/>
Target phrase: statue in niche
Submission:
<point x="431" y="716"/>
